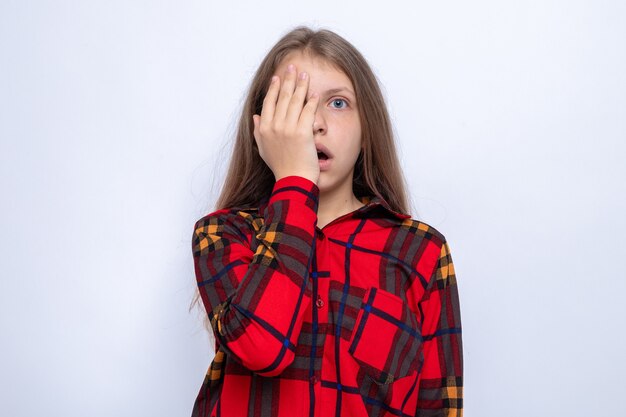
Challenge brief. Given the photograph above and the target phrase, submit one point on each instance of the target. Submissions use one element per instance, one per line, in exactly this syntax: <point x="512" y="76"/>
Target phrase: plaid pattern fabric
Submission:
<point x="359" y="318"/>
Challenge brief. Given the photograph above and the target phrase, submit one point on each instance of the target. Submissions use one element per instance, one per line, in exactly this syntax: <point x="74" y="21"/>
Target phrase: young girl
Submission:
<point x="324" y="296"/>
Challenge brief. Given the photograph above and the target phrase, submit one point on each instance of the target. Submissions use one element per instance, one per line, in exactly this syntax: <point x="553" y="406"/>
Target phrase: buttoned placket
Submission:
<point x="321" y="291"/>
<point x="322" y="284"/>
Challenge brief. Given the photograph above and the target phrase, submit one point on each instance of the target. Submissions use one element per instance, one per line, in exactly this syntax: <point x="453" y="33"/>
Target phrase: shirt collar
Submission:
<point x="371" y="202"/>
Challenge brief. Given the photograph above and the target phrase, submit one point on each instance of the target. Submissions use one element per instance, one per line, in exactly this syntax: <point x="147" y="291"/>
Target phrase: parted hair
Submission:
<point x="377" y="170"/>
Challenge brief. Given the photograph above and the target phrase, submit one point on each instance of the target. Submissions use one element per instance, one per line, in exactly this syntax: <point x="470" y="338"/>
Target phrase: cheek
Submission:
<point x="356" y="135"/>
<point x="349" y="125"/>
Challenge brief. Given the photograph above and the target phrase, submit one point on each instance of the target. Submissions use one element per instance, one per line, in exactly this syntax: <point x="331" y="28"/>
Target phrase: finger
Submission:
<point x="307" y="117"/>
<point x="269" y="102"/>
<point x="297" y="100"/>
<point x="255" y="121"/>
<point x="286" y="91"/>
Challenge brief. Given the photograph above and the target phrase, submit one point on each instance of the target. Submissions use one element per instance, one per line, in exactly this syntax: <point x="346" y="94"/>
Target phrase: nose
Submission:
<point x="319" y="124"/>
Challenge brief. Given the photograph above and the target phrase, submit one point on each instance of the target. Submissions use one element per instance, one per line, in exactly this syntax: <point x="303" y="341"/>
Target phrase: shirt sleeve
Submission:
<point x="441" y="379"/>
<point x="256" y="296"/>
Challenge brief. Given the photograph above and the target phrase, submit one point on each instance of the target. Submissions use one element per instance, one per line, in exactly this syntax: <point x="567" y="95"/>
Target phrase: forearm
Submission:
<point x="261" y="320"/>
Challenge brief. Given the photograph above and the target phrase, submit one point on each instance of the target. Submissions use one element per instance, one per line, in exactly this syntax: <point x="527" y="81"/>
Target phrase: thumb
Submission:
<point x="255" y="121"/>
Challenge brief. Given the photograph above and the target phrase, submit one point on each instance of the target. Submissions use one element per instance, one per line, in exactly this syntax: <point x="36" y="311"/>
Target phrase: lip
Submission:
<point x="324" y="164"/>
<point x="322" y="148"/>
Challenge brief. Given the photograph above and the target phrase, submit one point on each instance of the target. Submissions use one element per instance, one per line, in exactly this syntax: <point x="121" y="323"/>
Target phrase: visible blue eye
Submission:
<point x="340" y="100"/>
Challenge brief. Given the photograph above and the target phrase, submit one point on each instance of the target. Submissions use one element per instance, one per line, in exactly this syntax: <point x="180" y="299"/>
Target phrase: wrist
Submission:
<point x="311" y="177"/>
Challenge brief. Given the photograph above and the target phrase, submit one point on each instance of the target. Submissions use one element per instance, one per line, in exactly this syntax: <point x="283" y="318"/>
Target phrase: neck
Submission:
<point x="336" y="203"/>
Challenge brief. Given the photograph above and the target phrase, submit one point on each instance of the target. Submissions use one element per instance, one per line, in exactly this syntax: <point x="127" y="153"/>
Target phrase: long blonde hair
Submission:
<point x="377" y="170"/>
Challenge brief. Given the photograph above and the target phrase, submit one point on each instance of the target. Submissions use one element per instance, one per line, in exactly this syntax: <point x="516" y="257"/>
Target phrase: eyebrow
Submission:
<point x="338" y="90"/>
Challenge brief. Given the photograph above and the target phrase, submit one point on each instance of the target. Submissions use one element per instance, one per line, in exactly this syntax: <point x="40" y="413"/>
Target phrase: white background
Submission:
<point x="115" y="118"/>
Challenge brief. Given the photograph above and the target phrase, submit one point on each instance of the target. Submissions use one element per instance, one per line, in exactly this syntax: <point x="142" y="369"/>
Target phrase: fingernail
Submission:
<point x="303" y="75"/>
<point x="290" y="68"/>
<point x="274" y="78"/>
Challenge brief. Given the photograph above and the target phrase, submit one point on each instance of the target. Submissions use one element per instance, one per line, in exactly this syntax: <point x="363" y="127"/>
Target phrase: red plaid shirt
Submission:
<point x="359" y="318"/>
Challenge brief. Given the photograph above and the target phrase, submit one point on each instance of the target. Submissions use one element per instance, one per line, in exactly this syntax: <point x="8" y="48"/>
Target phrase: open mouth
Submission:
<point x="321" y="155"/>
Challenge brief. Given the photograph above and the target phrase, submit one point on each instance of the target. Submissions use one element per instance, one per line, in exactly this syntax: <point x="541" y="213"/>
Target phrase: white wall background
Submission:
<point x="114" y="120"/>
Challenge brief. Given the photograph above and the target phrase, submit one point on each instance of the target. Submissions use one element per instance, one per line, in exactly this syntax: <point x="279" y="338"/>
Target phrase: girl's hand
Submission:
<point x="284" y="130"/>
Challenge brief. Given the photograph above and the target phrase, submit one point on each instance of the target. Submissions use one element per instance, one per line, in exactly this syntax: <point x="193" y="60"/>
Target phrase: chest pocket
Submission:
<point x="387" y="338"/>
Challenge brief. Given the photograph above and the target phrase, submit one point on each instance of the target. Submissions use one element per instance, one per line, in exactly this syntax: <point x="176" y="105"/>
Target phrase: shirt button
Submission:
<point x="313" y="379"/>
<point x="320" y="303"/>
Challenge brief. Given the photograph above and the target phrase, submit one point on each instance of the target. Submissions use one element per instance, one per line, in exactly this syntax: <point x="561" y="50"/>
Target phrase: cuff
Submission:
<point x="298" y="189"/>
